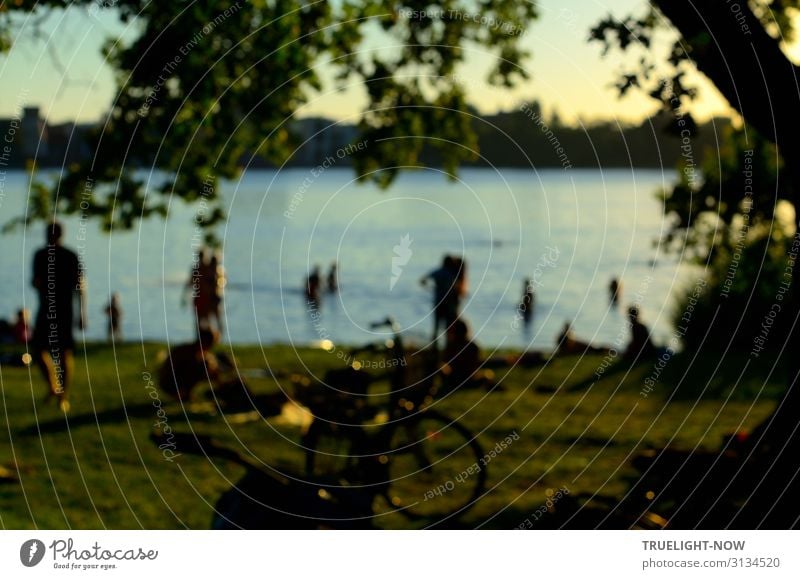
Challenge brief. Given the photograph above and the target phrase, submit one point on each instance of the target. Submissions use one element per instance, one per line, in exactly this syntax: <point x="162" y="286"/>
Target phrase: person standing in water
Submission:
<point x="615" y="291"/>
<point x="216" y="289"/>
<point x="333" y="278"/>
<point x="313" y="287"/>
<point x="197" y="288"/>
<point x="113" y="312"/>
<point x="444" y="281"/>
<point x="527" y="303"/>
<point x="459" y="288"/>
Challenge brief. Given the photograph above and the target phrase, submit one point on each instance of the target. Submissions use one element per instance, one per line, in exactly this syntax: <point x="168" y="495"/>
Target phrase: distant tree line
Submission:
<point x="525" y="137"/>
<point x="521" y="138"/>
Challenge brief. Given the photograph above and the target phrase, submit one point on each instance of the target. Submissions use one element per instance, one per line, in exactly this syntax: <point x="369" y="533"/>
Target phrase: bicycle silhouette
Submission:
<point x="424" y="464"/>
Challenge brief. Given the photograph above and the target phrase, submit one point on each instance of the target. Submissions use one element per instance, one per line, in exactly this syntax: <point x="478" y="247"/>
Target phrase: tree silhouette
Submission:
<point x="205" y="86"/>
<point x="740" y="47"/>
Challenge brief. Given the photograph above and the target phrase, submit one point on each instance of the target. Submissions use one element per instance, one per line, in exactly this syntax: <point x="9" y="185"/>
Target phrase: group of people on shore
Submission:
<point x="640" y="345"/>
<point x="59" y="280"/>
<point x="463" y="361"/>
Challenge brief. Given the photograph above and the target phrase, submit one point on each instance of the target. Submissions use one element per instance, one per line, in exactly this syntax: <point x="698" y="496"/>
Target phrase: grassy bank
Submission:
<point x="96" y="467"/>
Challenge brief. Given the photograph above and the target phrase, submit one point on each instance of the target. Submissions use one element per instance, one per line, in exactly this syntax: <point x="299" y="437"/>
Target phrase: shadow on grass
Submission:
<point x="707" y="375"/>
<point x="712" y="374"/>
<point x="258" y="407"/>
<point x="112" y="416"/>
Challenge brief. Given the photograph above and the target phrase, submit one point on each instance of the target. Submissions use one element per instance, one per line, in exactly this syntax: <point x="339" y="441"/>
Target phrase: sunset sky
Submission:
<point x="568" y="74"/>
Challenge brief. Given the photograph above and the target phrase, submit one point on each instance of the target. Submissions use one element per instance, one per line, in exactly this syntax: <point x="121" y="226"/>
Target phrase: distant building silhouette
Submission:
<point x="31" y="137"/>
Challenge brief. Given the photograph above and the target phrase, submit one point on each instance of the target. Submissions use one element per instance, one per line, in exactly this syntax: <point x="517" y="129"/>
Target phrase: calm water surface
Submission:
<point x="571" y="231"/>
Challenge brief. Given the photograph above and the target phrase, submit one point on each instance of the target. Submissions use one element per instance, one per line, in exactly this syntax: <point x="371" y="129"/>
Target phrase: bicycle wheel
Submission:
<point x="434" y="467"/>
<point x="329" y="453"/>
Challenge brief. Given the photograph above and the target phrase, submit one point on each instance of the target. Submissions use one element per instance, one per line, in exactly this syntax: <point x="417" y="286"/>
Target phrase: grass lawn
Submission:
<point x="96" y="467"/>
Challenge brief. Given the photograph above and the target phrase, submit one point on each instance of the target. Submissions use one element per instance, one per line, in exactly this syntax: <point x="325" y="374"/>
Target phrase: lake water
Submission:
<point x="572" y="231"/>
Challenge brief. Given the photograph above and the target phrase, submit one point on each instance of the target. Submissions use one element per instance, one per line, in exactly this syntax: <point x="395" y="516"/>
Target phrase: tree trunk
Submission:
<point x="729" y="45"/>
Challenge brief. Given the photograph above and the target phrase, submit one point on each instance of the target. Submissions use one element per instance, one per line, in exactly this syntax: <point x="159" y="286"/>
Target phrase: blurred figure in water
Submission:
<point x="216" y="289"/>
<point x="113" y="311"/>
<point x="59" y="280"/>
<point x="615" y="291"/>
<point x="527" y="303"/>
<point x="640" y="347"/>
<point x="206" y="285"/>
<point x="197" y="288"/>
<point x="333" y="278"/>
<point x="463" y="361"/>
<point x="313" y="284"/>
<point x="459" y="289"/>
<point x="22" y="331"/>
<point x="443" y="279"/>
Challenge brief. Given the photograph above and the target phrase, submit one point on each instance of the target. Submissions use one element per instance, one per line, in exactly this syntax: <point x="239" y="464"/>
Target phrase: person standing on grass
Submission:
<point x="59" y="281"/>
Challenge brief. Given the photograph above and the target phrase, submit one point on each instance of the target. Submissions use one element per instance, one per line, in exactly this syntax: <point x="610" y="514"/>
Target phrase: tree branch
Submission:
<point x="730" y="46"/>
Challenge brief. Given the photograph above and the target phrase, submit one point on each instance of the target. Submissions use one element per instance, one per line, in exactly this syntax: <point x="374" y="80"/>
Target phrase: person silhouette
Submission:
<point x="463" y="361"/>
<point x="188" y="365"/>
<point x="640" y="347"/>
<point x="445" y="294"/>
<point x="614" y="291"/>
<point x="333" y="278"/>
<point x="198" y="287"/>
<point x="22" y="331"/>
<point x="113" y="312"/>
<point x="313" y="283"/>
<point x="59" y="281"/>
<point x="527" y="303"/>
<point x="567" y="343"/>
<point x="459" y="287"/>
<point x="216" y="288"/>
